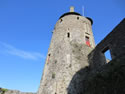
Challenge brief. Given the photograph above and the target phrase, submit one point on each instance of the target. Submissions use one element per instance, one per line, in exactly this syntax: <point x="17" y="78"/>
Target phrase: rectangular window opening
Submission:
<point x="87" y="41"/>
<point x="61" y="20"/>
<point x="68" y="34"/>
<point x="107" y="54"/>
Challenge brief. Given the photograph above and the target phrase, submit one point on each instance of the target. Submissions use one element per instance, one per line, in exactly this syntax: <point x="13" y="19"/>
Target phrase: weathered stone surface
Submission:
<point x="67" y="54"/>
<point x="7" y="91"/>
<point x="114" y="41"/>
<point x="72" y="67"/>
<point x="101" y="77"/>
<point x="107" y="79"/>
<point x="70" y="62"/>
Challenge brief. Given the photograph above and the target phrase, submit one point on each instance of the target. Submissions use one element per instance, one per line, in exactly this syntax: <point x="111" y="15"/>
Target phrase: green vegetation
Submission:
<point x="3" y="90"/>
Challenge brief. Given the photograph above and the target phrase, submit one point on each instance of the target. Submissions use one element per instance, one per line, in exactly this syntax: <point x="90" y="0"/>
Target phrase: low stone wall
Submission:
<point x="6" y="91"/>
<point x="17" y="92"/>
<point x="108" y="79"/>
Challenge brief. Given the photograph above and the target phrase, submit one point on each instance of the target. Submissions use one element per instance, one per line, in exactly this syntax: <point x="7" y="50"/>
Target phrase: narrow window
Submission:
<point x="87" y="41"/>
<point x="77" y="18"/>
<point x="107" y="54"/>
<point x="48" y="58"/>
<point x="68" y="34"/>
<point x="61" y="20"/>
<point x="49" y="54"/>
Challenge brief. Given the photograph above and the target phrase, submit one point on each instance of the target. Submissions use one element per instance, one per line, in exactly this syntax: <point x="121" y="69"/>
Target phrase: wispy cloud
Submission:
<point x="11" y="50"/>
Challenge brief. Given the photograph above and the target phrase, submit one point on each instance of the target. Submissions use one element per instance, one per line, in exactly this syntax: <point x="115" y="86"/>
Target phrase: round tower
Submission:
<point x="71" y="43"/>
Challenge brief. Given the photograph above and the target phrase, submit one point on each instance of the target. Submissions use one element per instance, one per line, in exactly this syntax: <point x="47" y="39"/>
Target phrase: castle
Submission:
<point x="72" y="48"/>
<point x="71" y="43"/>
<point x="74" y="65"/>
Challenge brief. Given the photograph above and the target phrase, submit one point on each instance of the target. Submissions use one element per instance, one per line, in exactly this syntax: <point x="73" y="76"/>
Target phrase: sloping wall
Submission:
<point x="101" y="77"/>
<point x="108" y="79"/>
<point x="114" y="41"/>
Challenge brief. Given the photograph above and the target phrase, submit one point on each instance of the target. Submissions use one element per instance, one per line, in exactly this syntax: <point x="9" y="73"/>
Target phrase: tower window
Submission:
<point x="49" y="54"/>
<point x="68" y="34"/>
<point x="48" y="58"/>
<point x="77" y="18"/>
<point x="61" y="20"/>
<point x="87" y="41"/>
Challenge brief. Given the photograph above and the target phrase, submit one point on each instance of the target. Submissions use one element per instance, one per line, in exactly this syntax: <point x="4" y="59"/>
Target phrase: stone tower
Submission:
<point x="71" y="43"/>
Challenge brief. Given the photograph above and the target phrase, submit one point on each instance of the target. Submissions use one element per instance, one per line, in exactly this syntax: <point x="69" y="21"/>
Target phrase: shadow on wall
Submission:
<point x="107" y="79"/>
<point x="101" y="77"/>
<point x="77" y="83"/>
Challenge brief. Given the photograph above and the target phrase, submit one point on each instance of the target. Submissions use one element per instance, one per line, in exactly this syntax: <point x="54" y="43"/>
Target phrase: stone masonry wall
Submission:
<point x="7" y="91"/>
<point x="66" y="55"/>
<point x="106" y="79"/>
<point x="114" y="41"/>
<point x="101" y="77"/>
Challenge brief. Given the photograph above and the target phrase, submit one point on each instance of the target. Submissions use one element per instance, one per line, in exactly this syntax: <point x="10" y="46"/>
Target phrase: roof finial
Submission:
<point x="72" y="9"/>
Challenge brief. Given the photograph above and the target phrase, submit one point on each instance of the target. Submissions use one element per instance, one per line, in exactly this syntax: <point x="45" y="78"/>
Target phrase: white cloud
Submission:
<point x="11" y="50"/>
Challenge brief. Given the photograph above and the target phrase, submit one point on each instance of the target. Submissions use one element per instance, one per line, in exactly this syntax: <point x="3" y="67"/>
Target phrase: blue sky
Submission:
<point x="25" y="34"/>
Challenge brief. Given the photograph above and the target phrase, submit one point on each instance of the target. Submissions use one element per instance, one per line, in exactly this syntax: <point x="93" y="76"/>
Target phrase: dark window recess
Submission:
<point x="107" y="54"/>
<point x="49" y="54"/>
<point x="48" y="58"/>
<point x="77" y="18"/>
<point x="87" y="41"/>
<point x="61" y="20"/>
<point x="68" y="35"/>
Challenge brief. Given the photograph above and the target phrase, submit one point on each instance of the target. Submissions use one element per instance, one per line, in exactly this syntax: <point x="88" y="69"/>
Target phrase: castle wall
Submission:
<point x="114" y="41"/>
<point x="66" y="55"/>
<point x="15" y="92"/>
<point x="107" y="79"/>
